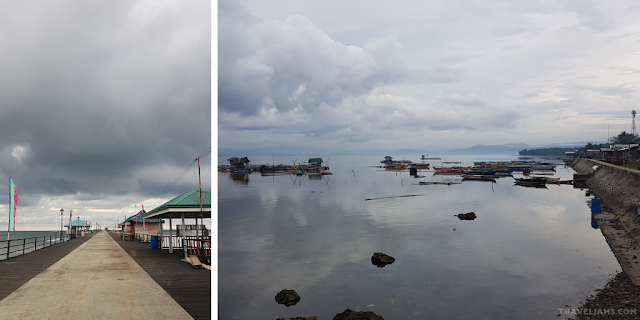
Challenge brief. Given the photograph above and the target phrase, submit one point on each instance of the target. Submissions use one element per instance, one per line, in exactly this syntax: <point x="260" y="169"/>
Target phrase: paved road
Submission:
<point x="98" y="280"/>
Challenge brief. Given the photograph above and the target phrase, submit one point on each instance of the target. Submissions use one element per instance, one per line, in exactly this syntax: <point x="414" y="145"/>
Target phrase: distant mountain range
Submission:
<point x="511" y="148"/>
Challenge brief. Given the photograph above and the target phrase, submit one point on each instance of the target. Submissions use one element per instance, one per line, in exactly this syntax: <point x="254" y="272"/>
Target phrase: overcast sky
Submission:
<point x="103" y="105"/>
<point x="348" y="75"/>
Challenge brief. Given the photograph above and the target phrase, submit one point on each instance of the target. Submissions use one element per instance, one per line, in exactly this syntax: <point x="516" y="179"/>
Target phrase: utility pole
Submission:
<point x="61" y="211"/>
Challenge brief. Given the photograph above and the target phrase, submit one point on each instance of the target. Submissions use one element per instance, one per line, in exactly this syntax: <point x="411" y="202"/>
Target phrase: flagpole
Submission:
<point x="200" y="187"/>
<point x="9" y="227"/>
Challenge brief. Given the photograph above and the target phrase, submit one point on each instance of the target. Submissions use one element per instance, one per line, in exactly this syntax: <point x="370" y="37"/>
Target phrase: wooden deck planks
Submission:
<point x="190" y="287"/>
<point x="16" y="271"/>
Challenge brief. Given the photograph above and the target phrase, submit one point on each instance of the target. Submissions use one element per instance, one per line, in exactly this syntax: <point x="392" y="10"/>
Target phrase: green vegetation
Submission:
<point x="632" y="166"/>
<point x="622" y="138"/>
<point x="591" y="146"/>
<point x="546" y="151"/>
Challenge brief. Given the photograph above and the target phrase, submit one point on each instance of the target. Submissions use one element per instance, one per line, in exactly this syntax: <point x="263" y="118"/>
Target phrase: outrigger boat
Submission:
<point x="538" y="182"/>
<point x="466" y="177"/>
<point x="480" y="171"/>
<point x="388" y="160"/>
<point x="395" y="166"/>
<point x="454" y="168"/>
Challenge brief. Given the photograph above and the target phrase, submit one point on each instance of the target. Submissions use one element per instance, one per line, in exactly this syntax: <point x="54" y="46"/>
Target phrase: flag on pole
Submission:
<point x="70" y="221"/>
<point x="13" y="204"/>
<point x="141" y="213"/>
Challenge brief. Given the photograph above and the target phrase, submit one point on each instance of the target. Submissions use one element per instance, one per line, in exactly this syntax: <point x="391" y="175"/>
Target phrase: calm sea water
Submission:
<point x="30" y="240"/>
<point x="15" y="235"/>
<point x="529" y="252"/>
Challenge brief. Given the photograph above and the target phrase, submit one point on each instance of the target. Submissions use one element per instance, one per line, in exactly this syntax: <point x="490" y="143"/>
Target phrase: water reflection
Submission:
<point x="516" y="261"/>
<point x="594" y="222"/>
<point x="242" y="178"/>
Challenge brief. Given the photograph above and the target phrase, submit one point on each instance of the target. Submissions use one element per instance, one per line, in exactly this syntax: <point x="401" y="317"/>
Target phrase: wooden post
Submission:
<point x="170" y="237"/>
<point x="184" y="248"/>
<point x="161" y="231"/>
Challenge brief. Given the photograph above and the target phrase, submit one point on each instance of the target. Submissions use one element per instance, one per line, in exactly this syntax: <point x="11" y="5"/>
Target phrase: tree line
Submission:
<point x="622" y="138"/>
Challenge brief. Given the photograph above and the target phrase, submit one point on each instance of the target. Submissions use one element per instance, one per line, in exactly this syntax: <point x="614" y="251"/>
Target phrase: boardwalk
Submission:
<point x="97" y="280"/>
<point x="190" y="287"/>
<point x="16" y="271"/>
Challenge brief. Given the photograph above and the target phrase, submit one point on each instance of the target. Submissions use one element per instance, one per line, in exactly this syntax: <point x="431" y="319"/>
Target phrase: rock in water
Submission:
<point x="357" y="315"/>
<point x="380" y="259"/>
<point x="287" y="297"/>
<point x="467" y="216"/>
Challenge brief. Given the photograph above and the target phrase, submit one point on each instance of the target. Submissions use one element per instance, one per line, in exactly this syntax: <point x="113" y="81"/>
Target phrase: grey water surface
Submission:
<point x="529" y="252"/>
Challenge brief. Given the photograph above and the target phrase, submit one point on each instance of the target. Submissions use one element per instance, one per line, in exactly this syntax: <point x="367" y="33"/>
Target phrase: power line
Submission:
<point x="175" y="182"/>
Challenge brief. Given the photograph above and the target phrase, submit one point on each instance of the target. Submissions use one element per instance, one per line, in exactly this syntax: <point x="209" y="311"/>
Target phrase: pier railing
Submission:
<point x="175" y="241"/>
<point x="200" y="247"/>
<point x="191" y="245"/>
<point x="13" y="248"/>
<point x="142" y="237"/>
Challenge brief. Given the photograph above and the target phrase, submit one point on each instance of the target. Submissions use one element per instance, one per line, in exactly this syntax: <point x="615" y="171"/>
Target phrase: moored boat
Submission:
<point x="466" y="177"/>
<point x="452" y="166"/>
<point x="389" y="160"/>
<point x="479" y="171"/>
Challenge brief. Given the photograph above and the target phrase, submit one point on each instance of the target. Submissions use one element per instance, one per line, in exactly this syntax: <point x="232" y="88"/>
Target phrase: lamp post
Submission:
<point x="61" y="211"/>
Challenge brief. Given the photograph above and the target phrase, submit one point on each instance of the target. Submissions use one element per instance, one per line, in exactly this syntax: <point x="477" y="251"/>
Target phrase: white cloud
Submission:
<point x="366" y="75"/>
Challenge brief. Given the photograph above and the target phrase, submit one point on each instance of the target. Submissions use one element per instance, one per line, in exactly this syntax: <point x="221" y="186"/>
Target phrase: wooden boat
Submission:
<point x="479" y="177"/>
<point x="396" y="166"/>
<point x="532" y="182"/>
<point x="479" y="171"/>
<point x="532" y="185"/>
<point x="454" y="168"/>
<point x="389" y="160"/>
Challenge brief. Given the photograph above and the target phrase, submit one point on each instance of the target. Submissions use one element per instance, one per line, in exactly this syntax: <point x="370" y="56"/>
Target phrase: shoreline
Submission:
<point x="618" y="222"/>
<point x="617" y="188"/>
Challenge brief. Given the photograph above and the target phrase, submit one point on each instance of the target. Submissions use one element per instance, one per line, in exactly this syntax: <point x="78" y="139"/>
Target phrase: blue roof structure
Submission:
<point x="78" y="223"/>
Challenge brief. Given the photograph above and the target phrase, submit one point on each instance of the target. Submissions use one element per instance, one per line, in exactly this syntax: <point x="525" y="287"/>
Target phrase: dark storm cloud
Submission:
<point x="94" y="91"/>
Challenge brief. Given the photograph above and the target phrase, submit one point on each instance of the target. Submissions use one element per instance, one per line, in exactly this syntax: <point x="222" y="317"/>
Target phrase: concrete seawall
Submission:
<point x="619" y="190"/>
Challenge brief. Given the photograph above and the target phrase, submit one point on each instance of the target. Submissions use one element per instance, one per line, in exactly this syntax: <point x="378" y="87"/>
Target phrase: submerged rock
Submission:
<point x="467" y="216"/>
<point x="357" y="315"/>
<point x="287" y="297"/>
<point x="380" y="259"/>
